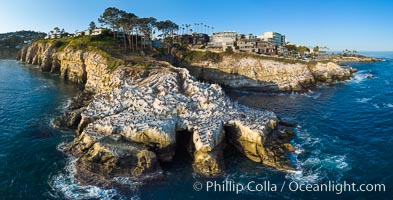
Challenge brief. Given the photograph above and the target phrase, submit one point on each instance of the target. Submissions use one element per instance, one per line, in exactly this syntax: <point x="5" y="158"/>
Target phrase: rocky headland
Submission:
<point x="130" y="117"/>
<point x="259" y="73"/>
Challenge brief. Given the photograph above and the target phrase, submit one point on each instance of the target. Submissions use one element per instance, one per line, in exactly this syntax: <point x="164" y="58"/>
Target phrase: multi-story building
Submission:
<point x="265" y="47"/>
<point x="222" y="40"/>
<point x="96" y="31"/>
<point x="55" y="35"/>
<point x="274" y="38"/>
<point x="193" y="39"/>
<point x="251" y="37"/>
<point x="246" y="46"/>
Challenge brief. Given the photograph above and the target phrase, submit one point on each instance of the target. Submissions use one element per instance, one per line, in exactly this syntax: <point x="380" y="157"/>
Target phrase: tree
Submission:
<point x="303" y="49"/>
<point x="92" y="25"/>
<point x="128" y="23"/>
<point x="146" y="26"/>
<point x="167" y="28"/>
<point x="316" y="49"/>
<point x="229" y="50"/>
<point x="111" y="17"/>
<point x="56" y="30"/>
<point x="292" y="48"/>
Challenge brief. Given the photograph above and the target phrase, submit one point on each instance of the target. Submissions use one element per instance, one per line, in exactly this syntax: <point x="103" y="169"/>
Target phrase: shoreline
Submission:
<point x="256" y="73"/>
<point x="135" y="113"/>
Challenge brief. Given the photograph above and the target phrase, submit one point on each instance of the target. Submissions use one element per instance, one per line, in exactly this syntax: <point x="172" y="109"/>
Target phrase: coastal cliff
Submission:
<point x="258" y="73"/>
<point x="131" y="117"/>
<point x="89" y="67"/>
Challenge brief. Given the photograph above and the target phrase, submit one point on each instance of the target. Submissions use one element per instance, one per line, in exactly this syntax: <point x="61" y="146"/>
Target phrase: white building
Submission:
<point x="97" y="31"/>
<point x="247" y="46"/>
<point x="54" y="36"/>
<point x="274" y="38"/>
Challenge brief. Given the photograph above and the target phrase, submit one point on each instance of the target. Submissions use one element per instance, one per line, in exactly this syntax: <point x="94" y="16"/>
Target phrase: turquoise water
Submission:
<point x="346" y="134"/>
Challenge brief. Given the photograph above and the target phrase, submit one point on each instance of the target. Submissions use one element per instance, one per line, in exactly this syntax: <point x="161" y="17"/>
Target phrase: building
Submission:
<point x="80" y="33"/>
<point x="193" y="39"/>
<point x="274" y="38"/>
<point x="282" y="51"/>
<point x="55" y="35"/>
<point x="97" y="31"/>
<point x="222" y="40"/>
<point x="267" y="48"/>
<point x="246" y="46"/>
<point x="251" y="37"/>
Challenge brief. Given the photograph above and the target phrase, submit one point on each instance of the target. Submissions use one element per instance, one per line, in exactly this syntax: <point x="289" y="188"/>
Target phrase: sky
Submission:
<point x="362" y="25"/>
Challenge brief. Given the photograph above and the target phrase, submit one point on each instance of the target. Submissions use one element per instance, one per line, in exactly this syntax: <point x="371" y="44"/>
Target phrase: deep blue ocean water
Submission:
<point x="346" y="135"/>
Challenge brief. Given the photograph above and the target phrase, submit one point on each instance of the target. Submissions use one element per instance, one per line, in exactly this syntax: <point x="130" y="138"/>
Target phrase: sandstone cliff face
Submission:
<point x="267" y="75"/>
<point x="128" y="119"/>
<point x="79" y="66"/>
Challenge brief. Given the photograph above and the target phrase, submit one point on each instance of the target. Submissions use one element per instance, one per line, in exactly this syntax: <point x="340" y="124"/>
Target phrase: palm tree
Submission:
<point x="187" y="26"/>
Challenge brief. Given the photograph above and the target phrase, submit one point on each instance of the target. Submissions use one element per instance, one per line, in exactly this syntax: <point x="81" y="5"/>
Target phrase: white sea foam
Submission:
<point x="361" y="76"/>
<point x="314" y="95"/>
<point x="65" y="104"/>
<point x="363" y="100"/>
<point x="383" y="105"/>
<point x="302" y="177"/>
<point x="42" y="87"/>
<point x="66" y="184"/>
<point x="315" y="168"/>
<point x="315" y="165"/>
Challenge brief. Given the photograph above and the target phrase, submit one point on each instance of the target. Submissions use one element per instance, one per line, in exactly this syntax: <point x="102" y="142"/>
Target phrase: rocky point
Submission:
<point x="128" y="119"/>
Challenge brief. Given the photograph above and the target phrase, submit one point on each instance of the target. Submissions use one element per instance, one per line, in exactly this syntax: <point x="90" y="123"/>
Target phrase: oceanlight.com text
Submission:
<point x="293" y="186"/>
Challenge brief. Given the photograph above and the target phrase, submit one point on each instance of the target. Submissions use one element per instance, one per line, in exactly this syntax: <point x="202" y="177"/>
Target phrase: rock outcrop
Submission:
<point x="128" y="119"/>
<point x="87" y="67"/>
<point x="263" y="74"/>
<point x="144" y="113"/>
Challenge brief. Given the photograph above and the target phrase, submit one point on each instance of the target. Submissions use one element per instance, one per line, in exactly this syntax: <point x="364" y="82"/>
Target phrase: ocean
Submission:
<point x="345" y="137"/>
